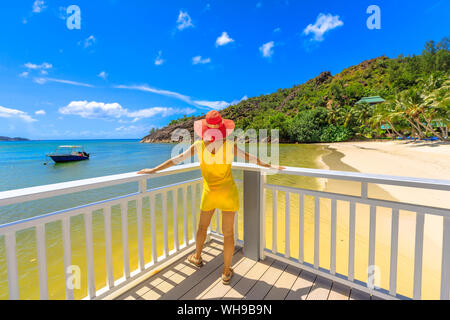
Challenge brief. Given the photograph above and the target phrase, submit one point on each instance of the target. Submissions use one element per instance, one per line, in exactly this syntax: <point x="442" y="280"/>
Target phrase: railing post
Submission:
<point x="252" y="214"/>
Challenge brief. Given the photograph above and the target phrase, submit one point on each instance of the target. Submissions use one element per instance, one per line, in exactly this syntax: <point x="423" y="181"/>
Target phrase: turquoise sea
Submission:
<point x="22" y="166"/>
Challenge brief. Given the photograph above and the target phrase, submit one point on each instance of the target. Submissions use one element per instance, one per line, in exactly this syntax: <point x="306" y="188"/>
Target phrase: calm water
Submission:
<point x="22" y="165"/>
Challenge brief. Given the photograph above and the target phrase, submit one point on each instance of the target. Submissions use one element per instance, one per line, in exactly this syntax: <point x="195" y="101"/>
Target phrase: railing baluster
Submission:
<point x="394" y="253"/>
<point x="126" y="255"/>
<point x="108" y="248"/>
<point x="67" y="253"/>
<point x="11" y="261"/>
<point x="445" y="271"/>
<point x="372" y="234"/>
<point x="418" y="255"/>
<point x="274" y="220"/>
<point x="185" y="218"/>
<point x="194" y="211"/>
<point x="42" y="261"/>
<point x="153" y="228"/>
<point x="301" y="225"/>
<point x="164" y="222"/>
<point x="140" y="224"/>
<point x="316" y="232"/>
<point x="287" y="239"/>
<point x="262" y="234"/>
<point x="351" y="243"/>
<point x="333" y="237"/>
<point x="89" y="254"/>
<point x="175" y="219"/>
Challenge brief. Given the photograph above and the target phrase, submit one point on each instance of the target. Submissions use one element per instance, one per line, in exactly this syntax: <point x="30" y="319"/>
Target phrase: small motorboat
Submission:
<point x="68" y="153"/>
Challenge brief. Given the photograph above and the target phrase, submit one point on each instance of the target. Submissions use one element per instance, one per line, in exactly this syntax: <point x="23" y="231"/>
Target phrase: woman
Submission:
<point x="215" y="155"/>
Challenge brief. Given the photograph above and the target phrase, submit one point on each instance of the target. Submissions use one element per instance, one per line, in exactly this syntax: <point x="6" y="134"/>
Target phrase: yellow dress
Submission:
<point x="219" y="190"/>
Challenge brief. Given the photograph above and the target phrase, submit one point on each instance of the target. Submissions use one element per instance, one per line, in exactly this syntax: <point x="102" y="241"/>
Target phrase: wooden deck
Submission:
<point x="267" y="279"/>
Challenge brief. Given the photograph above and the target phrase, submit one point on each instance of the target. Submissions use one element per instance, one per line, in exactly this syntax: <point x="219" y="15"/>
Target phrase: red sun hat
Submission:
<point x="213" y="126"/>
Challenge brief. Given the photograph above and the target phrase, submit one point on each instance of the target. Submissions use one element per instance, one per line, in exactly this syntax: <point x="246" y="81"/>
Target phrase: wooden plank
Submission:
<point x="194" y="279"/>
<point x="262" y="287"/>
<point x="181" y="267"/>
<point x="211" y="280"/>
<point x="316" y="232"/>
<point x="339" y="292"/>
<point x="89" y="254"/>
<point x="445" y="269"/>
<point x="333" y="236"/>
<point x="418" y="256"/>
<point x="244" y="285"/>
<point x="67" y="254"/>
<point x="394" y="253"/>
<point x="11" y="262"/>
<point x="281" y="288"/>
<point x="359" y="295"/>
<point x="320" y="290"/>
<point x="42" y="261"/>
<point x="301" y="222"/>
<point x="287" y="225"/>
<point x="351" y="244"/>
<point x="302" y="286"/>
<point x="219" y="290"/>
<point x="125" y="251"/>
<point x="175" y="219"/>
<point x="274" y="220"/>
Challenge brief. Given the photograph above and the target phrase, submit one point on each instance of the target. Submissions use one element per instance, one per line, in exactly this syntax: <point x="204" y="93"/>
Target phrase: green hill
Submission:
<point x="324" y="109"/>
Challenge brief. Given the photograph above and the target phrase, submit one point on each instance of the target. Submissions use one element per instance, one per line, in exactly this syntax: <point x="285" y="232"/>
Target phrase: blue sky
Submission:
<point x="134" y="65"/>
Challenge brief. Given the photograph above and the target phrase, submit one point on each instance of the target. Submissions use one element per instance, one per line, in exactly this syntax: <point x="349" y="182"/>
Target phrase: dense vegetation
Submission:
<point x="324" y="109"/>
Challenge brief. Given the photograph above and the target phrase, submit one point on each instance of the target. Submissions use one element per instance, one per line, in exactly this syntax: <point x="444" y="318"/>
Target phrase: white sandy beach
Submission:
<point x="400" y="158"/>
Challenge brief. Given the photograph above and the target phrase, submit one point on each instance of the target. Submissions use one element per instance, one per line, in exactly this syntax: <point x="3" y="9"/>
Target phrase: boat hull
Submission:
<point x="67" y="158"/>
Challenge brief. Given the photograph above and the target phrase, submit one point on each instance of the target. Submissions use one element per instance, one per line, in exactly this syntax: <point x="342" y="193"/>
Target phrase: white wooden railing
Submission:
<point x="254" y="215"/>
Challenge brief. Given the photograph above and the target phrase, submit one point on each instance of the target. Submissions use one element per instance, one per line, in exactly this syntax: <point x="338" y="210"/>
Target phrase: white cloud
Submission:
<point x="267" y="49"/>
<point x="14" y="113"/>
<point x="24" y="74"/>
<point x="159" y="60"/>
<point x="40" y="112"/>
<point x="103" y="75"/>
<point x="38" y="6"/>
<point x="184" y="21"/>
<point x="277" y="30"/>
<point x="197" y="103"/>
<point x="75" y="83"/>
<point x="42" y="66"/>
<point x="324" y="23"/>
<point x="89" y="41"/>
<point x="200" y="60"/>
<point x="101" y="110"/>
<point x="223" y="39"/>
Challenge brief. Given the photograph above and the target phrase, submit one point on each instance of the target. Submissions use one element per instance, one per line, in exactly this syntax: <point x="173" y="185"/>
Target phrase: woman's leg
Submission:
<point x="203" y="224"/>
<point x="228" y="239"/>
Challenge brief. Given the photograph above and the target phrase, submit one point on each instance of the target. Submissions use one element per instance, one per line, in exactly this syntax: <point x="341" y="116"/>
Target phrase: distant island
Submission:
<point x="399" y="98"/>
<point x="13" y="139"/>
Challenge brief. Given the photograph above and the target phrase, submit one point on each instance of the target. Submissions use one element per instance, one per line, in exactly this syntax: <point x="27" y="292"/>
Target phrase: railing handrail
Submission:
<point x="51" y="190"/>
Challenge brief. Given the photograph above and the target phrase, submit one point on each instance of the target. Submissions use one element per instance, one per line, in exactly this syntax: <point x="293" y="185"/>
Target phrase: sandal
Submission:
<point x="197" y="262"/>
<point x="226" y="279"/>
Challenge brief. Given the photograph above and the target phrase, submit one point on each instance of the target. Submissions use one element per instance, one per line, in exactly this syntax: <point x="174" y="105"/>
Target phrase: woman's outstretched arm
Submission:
<point x="253" y="159"/>
<point x="167" y="164"/>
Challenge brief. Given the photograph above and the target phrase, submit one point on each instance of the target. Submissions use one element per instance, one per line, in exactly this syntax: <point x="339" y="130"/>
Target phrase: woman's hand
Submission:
<point x="266" y="165"/>
<point x="147" y="171"/>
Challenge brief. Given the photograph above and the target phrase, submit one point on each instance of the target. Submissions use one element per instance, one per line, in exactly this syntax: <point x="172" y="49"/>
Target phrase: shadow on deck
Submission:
<point x="266" y="279"/>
